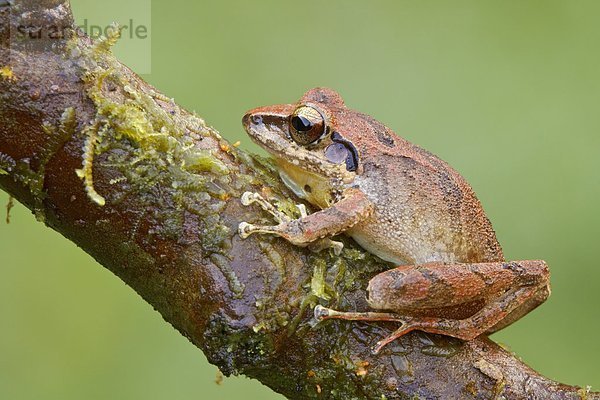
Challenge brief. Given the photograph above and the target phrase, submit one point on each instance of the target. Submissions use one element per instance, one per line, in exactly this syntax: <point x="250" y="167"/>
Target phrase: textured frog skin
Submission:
<point x="401" y="203"/>
<point x="424" y="210"/>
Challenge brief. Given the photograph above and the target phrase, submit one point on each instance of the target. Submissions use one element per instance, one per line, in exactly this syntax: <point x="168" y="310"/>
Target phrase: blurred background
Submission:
<point x="506" y="92"/>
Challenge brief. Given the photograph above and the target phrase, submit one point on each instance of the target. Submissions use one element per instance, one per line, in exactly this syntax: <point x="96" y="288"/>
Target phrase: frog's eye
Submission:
<point x="307" y="125"/>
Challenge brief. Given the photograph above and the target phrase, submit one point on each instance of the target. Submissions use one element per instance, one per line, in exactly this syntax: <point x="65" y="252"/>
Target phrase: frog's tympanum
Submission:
<point x="400" y="203"/>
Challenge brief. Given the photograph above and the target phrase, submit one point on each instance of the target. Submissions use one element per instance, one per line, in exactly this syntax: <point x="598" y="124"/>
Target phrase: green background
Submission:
<point x="507" y="92"/>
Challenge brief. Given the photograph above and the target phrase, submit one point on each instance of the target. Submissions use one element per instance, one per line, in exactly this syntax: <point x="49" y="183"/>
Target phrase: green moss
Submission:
<point x="318" y="286"/>
<point x="308" y="301"/>
<point x="33" y="173"/>
<point x="240" y="352"/>
<point x="135" y="134"/>
<point x="236" y="287"/>
<point x="204" y="161"/>
<point x="154" y="152"/>
<point x="7" y="73"/>
<point x="271" y="314"/>
<point x="275" y="257"/>
<point x="439" y="351"/>
<point x="214" y="237"/>
<point x="104" y="44"/>
<point x="439" y="346"/>
<point x="583" y="392"/>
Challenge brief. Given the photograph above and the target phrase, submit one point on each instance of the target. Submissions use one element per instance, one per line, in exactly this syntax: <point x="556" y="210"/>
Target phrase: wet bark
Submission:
<point x="152" y="193"/>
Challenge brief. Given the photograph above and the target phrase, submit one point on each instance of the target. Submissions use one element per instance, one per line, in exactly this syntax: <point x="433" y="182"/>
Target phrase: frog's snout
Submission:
<point x="252" y="120"/>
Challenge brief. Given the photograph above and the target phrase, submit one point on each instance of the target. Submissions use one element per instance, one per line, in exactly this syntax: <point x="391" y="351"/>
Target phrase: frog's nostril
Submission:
<point x="252" y="119"/>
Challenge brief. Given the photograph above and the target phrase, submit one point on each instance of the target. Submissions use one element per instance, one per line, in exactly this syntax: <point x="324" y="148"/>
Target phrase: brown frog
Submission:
<point x="404" y="205"/>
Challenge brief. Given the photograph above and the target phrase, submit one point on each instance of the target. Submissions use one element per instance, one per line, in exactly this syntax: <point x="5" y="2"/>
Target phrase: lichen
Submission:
<point x="7" y="73"/>
<point x="584" y="392"/>
<point x="275" y="258"/>
<point x="215" y="237"/>
<point x="240" y="350"/>
<point x="57" y="136"/>
<point x="236" y="287"/>
<point x="438" y="346"/>
<point x="318" y="286"/>
<point x="270" y="314"/>
<point x="104" y="44"/>
<point x="148" y="143"/>
<point x="439" y="351"/>
<point x="86" y="172"/>
<point x="32" y="172"/>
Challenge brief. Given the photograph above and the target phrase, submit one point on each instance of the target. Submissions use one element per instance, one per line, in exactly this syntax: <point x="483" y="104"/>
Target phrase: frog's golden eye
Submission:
<point x="307" y="125"/>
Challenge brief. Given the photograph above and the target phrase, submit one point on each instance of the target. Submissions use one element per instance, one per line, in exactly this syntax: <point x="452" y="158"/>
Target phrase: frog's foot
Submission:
<point x="249" y="198"/>
<point x="322" y="313"/>
<point x="290" y="229"/>
<point x="245" y="229"/>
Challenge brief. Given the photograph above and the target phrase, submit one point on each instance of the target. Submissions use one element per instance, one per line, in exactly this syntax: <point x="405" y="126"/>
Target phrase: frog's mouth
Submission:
<point x="269" y="128"/>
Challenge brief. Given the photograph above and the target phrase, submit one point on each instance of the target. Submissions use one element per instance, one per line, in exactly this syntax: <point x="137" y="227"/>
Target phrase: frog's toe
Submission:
<point x="249" y="197"/>
<point x="302" y="209"/>
<point x="337" y="247"/>
<point x="245" y="229"/>
<point x="320" y="313"/>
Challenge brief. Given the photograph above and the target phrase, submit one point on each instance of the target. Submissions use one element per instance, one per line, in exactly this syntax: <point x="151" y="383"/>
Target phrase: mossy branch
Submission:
<point x="152" y="193"/>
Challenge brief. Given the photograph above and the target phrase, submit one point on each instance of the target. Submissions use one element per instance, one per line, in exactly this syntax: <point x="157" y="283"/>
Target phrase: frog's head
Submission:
<point x="304" y="140"/>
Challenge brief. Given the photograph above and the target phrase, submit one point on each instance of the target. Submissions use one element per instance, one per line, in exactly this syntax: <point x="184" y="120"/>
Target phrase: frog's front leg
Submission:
<point x="459" y="300"/>
<point x="308" y="229"/>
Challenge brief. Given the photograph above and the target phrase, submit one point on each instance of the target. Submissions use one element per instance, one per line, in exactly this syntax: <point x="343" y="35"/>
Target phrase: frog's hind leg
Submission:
<point x="537" y="299"/>
<point x="459" y="300"/>
<point x="467" y="329"/>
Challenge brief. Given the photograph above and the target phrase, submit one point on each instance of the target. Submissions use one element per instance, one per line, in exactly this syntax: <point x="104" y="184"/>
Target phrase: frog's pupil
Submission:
<point x="301" y="124"/>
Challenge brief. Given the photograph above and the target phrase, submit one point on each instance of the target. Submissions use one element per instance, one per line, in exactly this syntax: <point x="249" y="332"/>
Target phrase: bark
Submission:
<point x="156" y="200"/>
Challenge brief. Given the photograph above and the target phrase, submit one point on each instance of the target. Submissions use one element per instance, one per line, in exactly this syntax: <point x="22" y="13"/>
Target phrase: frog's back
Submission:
<point x="425" y="210"/>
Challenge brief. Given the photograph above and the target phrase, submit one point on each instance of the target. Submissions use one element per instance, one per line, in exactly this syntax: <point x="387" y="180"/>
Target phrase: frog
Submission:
<point x="404" y="205"/>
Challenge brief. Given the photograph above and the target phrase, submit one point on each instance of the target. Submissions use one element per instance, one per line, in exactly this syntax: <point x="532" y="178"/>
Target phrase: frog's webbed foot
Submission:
<point x="322" y="313"/>
<point x="288" y="228"/>
<point x="245" y="229"/>
<point x="249" y="198"/>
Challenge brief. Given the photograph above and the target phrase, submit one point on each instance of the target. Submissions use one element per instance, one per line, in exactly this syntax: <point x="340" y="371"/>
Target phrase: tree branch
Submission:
<point x="156" y="200"/>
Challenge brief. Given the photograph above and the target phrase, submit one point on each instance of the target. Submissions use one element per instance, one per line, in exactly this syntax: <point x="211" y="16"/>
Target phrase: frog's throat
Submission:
<point x="322" y="190"/>
<point x="293" y="185"/>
